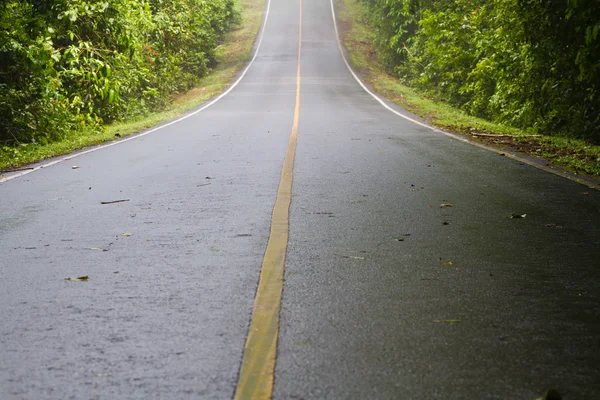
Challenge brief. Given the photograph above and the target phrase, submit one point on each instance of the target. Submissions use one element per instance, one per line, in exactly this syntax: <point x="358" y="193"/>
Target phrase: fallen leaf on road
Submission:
<point x="447" y="321"/>
<point x="401" y="238"/>
<point x="81" y="278"/>
<point x="97" y="248"/>
<point x="515" y="216"/>
<point x="75" y="167"/>
<point x="352" y="257"/>
<point x="447" y="264"/>
<point x="551" y="394"/>
<point x="128" y="234"/>
<point x="114" y="201"/>
<point x="446" y="205"/>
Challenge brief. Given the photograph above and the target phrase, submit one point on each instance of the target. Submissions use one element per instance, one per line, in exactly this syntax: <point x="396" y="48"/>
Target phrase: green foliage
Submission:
<point x="76" y="64"/>
<point x="529" y="63"/>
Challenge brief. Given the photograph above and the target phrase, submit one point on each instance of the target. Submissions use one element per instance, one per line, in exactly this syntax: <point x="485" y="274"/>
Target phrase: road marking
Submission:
<point x="559" y="172"/>
<point x="258" y="362"/>
<point x="136" y="136"/>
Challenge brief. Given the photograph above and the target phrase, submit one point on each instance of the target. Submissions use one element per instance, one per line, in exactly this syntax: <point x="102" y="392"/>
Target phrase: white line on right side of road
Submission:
<point x="339" y="42"/>
<point x="563" y="173"/>
<point x="136" y="136"/>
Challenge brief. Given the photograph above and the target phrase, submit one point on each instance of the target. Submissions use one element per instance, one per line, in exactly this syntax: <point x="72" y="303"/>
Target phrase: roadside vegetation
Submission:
<point x="520" y="74"/>
<point x="81" y="72"/>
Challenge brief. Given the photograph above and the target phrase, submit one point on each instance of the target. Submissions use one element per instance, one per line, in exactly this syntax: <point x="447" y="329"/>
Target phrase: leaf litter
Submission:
<point x="516" y="216"/>
<point x="81" y="278"/>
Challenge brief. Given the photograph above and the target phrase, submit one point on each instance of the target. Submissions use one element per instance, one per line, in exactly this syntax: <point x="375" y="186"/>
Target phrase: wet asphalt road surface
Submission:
<point x="387" y="294"/>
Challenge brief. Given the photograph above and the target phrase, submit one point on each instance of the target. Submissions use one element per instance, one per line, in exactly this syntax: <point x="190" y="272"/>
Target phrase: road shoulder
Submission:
<point x="574" y="159"/>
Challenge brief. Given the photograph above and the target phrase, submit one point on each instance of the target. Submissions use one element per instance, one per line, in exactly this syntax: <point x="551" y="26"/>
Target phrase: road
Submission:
<point x="404" y="276"/>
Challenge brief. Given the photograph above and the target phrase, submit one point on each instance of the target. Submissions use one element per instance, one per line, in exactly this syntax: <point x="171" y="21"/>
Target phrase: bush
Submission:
<point x="69" y="64"/>
<point x="528" y="63"/>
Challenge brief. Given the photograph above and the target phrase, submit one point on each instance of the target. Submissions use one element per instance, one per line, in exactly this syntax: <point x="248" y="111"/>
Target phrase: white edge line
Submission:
<point x="563" y="173"/>
<point x="337" y="35"/>
<point x="136" y="136"/>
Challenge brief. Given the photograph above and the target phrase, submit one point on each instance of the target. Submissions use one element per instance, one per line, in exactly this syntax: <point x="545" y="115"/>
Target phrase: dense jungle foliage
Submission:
<point x="68" y="64"/>
<point x="528" y="63"/>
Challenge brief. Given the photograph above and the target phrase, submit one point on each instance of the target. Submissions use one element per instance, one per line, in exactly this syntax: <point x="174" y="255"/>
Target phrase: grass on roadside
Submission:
<point x="572" y="154"/>
<point x="232" y="55"/>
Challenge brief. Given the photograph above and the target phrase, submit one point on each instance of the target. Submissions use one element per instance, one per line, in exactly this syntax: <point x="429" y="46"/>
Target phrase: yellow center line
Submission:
<point x="258" y="362"/>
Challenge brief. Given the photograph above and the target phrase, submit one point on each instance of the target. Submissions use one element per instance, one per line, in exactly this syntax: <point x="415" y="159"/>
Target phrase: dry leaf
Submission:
<point x="514" y="216"/>
<point x="446" y="205"/>
<point x="128" y="234"/>
<point x="96" y="248"/>
<point x="551" y="394"/>
<point x="75" y="167"/>
<point x="81" y="278"/>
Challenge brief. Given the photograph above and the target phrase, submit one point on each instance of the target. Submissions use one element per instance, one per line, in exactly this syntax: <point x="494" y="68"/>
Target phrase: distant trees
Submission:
<point x="71" y="63"/>
<point x="528" y="63"/>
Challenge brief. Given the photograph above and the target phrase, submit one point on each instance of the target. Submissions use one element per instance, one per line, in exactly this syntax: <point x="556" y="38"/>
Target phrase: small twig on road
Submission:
<point x="351" y="257"/>
<point x="19" y="169"/>
<point x="114" y="201"/>
<point x="494" y="135"/>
